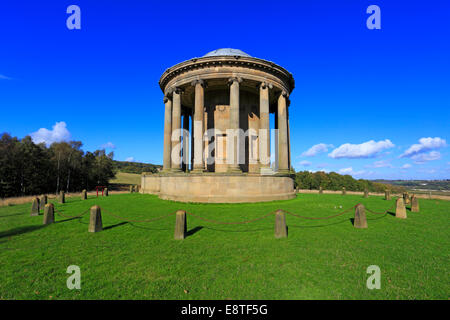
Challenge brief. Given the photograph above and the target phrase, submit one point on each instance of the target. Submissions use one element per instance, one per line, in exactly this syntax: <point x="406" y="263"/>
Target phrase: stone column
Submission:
<point x="186" y="140"/>
<point x="264" y="125"/>
<point x="283" y="153"/>
<point x="234" y="124"/>
<point x="176" y="125"/>
<point x="167" y="133"/>
<point x="199" y="164"/>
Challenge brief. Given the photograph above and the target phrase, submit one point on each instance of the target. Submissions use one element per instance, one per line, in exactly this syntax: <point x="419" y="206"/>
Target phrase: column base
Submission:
<point x="284" y="171"/>
<point x="266" y="171"/>
<point x="234" y="169"/>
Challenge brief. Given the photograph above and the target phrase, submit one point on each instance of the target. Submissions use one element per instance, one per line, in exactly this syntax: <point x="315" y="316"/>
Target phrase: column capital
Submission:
<point x="198" y="81"/>
<point x="166" y="99"/>
<point x="265" y="85"/>
<point x="285" y="94"/>
<point x="234" y="79"/>
<point x="176" y="90"/>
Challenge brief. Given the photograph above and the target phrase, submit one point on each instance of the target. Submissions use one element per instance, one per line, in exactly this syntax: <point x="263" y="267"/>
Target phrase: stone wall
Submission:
<point x="219" y="188"/>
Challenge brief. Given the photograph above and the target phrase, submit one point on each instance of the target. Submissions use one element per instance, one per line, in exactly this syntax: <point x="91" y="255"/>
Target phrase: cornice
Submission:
<point x="227" y="61"/>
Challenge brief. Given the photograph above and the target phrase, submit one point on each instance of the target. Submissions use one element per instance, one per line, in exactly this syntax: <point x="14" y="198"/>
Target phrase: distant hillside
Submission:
<point x="441" y="185"/>
<point x="135" y="167"/>
<point x="124" y="178"/>
<point x="335" y="181"/>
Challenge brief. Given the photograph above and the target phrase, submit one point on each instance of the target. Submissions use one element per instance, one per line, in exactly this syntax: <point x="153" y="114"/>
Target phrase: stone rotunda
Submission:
<point x="217" y="131"/>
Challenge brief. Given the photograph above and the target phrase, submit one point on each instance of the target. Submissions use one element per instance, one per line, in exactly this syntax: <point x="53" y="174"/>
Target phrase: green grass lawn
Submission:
<point x="321" y="259"/>
<point x="126" y="178"/>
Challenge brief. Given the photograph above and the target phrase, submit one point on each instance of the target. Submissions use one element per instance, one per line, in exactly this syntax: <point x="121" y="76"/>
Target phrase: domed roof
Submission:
<point x="227" y="52"/>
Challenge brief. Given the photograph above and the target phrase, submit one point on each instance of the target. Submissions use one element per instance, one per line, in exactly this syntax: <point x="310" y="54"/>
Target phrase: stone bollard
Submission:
<point x="406" y="198"/>
<point x="366" y="193"/>
<point x="414" y="204"/>
<point x="49" y="214"/>
<point x="360" y="221"/>
<point x="42" y="202"/>
<point x="138" y="187"/>
<point x="180" y="225"/>
<point x="95" y="222"/>
<point x="35" y="207"/>
<point x="280" y="224"/>
<point x="320" y="190"/>
<point x="106" y="192"/>
<point x="400" y="210"/>
<point x="387" y="195"/>
<point x="343" y="191"/>
<point x="296" y="190"/>
<point x="62" y="197"/>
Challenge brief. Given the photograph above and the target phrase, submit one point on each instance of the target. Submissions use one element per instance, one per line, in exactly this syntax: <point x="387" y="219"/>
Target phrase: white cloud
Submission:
<point x="108" y="145"/>
<point x="427" y="170"/>
<point x="316" y="149"/>
<point x="424" y="145"/>
<point x="364" y="150"/>
<point x="58" y="133"/>
<point x="346" y="170"/>
<point x="424" y="157"/>
<point x="3" y="77"/>
<point x="130" y="159"/>
<point x="406" y="166"/>
<point x="305" y="163"/>
<point x="350" y="171"/>
<point x="380" y="164"/>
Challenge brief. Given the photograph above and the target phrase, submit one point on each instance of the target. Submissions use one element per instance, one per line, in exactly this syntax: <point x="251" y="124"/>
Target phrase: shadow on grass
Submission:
<point x="146" y="228"/>
<point x="194" y="231"/>
<point x="14" y="214"/>
<point x="20" y="230"/>
<point x="115" y="225"/>
<point x="322" y="225"/>
<point x="391" y="213"/>
<point x="68" y="219"/>
<point x="252" y="230"/>
<point x="378" y="218"/>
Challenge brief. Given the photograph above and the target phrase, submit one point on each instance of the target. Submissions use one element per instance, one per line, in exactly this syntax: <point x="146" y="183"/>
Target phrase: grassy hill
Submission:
<point x="135" y="167"/>
<point x="320" y="259"/>
<point x="126" y="178"/>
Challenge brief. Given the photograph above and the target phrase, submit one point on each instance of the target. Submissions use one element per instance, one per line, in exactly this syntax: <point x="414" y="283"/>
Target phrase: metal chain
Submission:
<point x="381" y="212"/>
<point x="222" y="222"/>
<point x="69" y="217"/>
<point x="130" y="220"/>
<point x="320" y="218"/>
<point x="239" y="222"/>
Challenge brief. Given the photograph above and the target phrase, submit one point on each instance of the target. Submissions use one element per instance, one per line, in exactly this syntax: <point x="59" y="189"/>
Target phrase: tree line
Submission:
<point x="334" y="181"/>
<point x="136" y="167"/>
<point x="27" y="168"/>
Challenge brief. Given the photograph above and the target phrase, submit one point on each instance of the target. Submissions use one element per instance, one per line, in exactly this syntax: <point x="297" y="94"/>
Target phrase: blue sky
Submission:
<point x="376" y="102"/>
